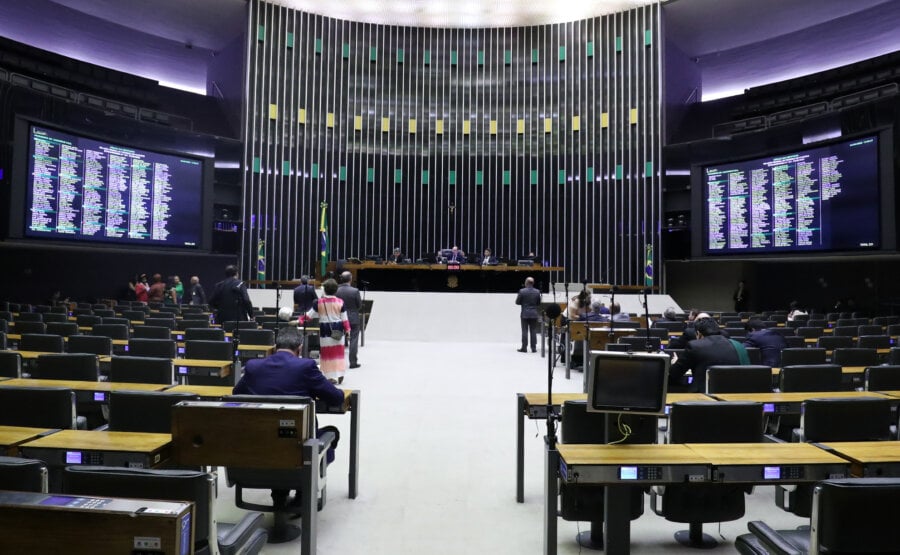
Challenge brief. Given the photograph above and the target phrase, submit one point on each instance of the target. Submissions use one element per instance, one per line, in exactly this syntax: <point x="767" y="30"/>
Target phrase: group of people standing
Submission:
<point x="169" y="291"/>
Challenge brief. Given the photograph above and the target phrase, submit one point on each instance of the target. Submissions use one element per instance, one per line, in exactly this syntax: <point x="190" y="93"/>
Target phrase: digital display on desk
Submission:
<point x="73" y="457"/>
<point x="815" y="199"/>
<point x="768" y="407"/>
<point x="182" y="369"/>
<point x="771" y="473"/>
<point x="628" y="473"/>
<point x="58" y="501"/>
<point x="99" y="396"/>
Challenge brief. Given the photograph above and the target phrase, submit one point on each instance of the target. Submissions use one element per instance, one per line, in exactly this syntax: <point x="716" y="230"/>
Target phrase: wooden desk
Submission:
<point x="868" y="458"/>
<point x="85" y="391"/>
<point x="534" y="407"/>
<point x="790" y="403"/>
<point x="246" y="351"/>
<point x="770" y="463"/>
<point x="12" y="436"/>
<point x="196" y="366"/>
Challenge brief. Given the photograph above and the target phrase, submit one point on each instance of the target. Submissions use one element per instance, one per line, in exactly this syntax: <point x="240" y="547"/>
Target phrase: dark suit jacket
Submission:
<point x="769" y="344"/>
<point x="529" y="298"/>
<point x="231" y="301"/>
<point x="352" y="302"/>
<point x="305" y="297"/>
<point x="699" y="355"/>
<point x="492" y="261"/>
<point x="285" y="374"/>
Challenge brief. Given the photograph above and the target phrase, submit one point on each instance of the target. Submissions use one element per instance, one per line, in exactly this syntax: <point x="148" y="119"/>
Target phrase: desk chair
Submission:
<point x="817" y="323"/>
<point x="792" y="356"/>
<point x="209" y="350"/>
<point x="3" y="340"/>
<point x="854" y="357"/>
<point x="104" y="312"/>
<point x="583" y="502"/>
<point x="139" y="369"/>
<point x="55" y="318"/>
<point x="162" y="348"/>
<point x="185" y="324"/>
<point x="738" y="379"/>
<point x="639" y="343"/>
<point x="134" y="315"/>
<point x="30" y="317"/>
<point x="23" y="327"/>
<point x="846" y="331"/>
<point x="257" y="337"/>
<point x="38" y="407"/>
<point x="112" y="331"/>
<point x="151" y="332"/>
<point x="4" y="325"/>
<point x="42" y="308"/>
<point x="10" y="364"/>
<point x="882" y="378"/>
<point x="82" y="311"/>
<point x="18" y="474"/>
<point x="6" y="315"/>
<point x="247" y="536"/>
<point x="43" y="342"/>
<point x="67" y="366"/>
<point x="173" y="310"/>
<point x="795" y="341"/>
<point x="835" y="342"/>
<point x="121" y="321"/>
<point x="810" y="377"/>
<point x="95" y="344"/>
<point x="809" y="332"/>
<point x="231" y="325"/>
<point x="278" y="480"/>
<point x="205" y="334"/>
<point x="696" y="504"/>
<point x="64" y="329"/>
<point x="870" y="329"/>
<point x="755" y="355"/>
<point x="168" y="323"/>
<point x="88" y="320"/>
<point x="867" y="341"/>
<point x="144" y="411"/>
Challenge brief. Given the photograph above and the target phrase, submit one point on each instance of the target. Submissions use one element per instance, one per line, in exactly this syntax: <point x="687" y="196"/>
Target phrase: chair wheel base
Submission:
<point x="697" y="541"/>
<point x="589" y="540"/>
<point x="284" y="533"/>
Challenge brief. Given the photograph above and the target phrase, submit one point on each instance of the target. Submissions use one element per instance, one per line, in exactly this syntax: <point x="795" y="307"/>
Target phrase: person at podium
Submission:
<point x="396" y="256"/>
<point x="487" y="259"/>
<point x="453" y="256"/>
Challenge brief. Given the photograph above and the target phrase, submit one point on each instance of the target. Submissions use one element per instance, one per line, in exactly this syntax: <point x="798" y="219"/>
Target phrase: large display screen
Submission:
<point x="86" y="189"/>
<point x="818" y="199"/>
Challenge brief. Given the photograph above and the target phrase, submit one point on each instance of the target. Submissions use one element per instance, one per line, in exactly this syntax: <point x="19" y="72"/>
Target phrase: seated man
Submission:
<point x="767" y="341"/>
<point x="709" y="349"/>
<point x="396" y="256"/>
<point x="669" y="315"/>
<point x="488" y="259"/>
<point x="597" y="313"/>
<point x="618" y="315"/>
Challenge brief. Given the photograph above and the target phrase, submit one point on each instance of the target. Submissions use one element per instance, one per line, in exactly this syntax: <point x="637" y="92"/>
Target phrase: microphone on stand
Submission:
<point x="612" y="317"/>
<point x="647" y="321"/>
<point x="552" y="312"/>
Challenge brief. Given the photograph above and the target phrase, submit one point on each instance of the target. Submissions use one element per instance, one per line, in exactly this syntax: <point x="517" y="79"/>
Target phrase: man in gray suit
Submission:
<point x="529" y="299"/>
<point x="352" y="304"/>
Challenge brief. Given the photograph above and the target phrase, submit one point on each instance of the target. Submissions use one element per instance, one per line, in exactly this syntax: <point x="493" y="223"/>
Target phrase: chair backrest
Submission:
<point x="619" y="347"/>
<point x="720" y="422"/>
<point x="795" y="341"/>
<point x="2" y="340"/>
<point x="43" y="342"/>
<point x="143" y="483"/>
<point x="855" y="356"/>
<point x="870" y="329"/>
<point x="151" y="332"/>
<point x="882" y="378"/>
<point x="817" y="323"/>
<point x="104" y="312"/>
<point x="64" y="329"/>
<point x="163" y="348"/>
<point x="894" y="356"/>
<point x="144" y="411"/>
<point x="855" y="515"/>
<point x="884" y="321"/>
<point x="168" y="323"/>
<point x="30" y="317"/>
<point x="173" y="310"/>
<point x="4" y="325"/>
<point x="872" y="342"/>
<point x="134" y="315"/>
<point x="581" y="426"/>
<point x="208" y="350"/>
<point x="23" y="327"/>
<point x="206" y="334"/>
<point x="810" y="332"/>
<point x="121" y="321"/>
<point x="661" y="333"/>
<point x="780" y="318"/>
<point x="96" y="344"/>
<point x="82" y="311"/>
<point x="862" y="419"/>
<point x="792" y="356"/>
<point x="849" y="331"/>
<point x="257" y="337"/>
<point x="88" y="320"/>
<point x="810" y="377"/>
<point x="141" y="369"/>
<point x="845" y="322"/>
<point x="834" y="342"/>
<point x="18" y="474"/>
<point x="67" y="366"/>
<point x="185" y="324"/>
<point x="55" y="318"/>
<point x="640" y="343"/>
<point x="37" y="407"/>
<point x="784" y="332"/>
<point x="6" y="315"/>
<point x="230" y="325"/>
<point x="738" y="379"/>
<point x="112" y="331"/>
<point x="754" y="354"/>
<point x="10" y="364"/>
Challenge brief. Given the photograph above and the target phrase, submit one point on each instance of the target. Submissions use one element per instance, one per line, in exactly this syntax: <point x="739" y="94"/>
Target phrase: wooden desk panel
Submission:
<point x="795" y="397"/>
<point x="78" y="385"/>
<point x="12" y="436"/>
<point x="868" y="458"/>
<point x="720" y="454"/>
<point x="629" y="454"/>
<point x="91" y="440"/>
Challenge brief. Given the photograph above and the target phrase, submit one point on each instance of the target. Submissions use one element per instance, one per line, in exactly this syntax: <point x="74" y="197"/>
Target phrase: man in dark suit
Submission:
<point x="305" y="295"/>
<point x="529" y="299"/>
<point x="767" y="341"/>
<point x="352" y="304"/>
<point x="230" y="298"/>
<point x="488" y="259"/>
<point x="396" y="256"/>
<point x="709" y="349"/>
<point x="456" y="256"/>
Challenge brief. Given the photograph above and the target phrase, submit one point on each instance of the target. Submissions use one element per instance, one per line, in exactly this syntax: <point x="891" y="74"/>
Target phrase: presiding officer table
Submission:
<point x="447" y="277"/>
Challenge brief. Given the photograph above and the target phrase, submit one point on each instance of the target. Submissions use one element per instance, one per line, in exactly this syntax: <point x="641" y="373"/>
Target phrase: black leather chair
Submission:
<point x="894" y="356"/>
<point x="247" y="536"/>
<point x="121" y="321"/>
<point x="639" y="343"/>
<point x="144" y="411"/>
<point x="23" y="327"/>
<point x="168" y="323"/>
<point x="231" y="325"/>
<point x="695" y="504"/>
<point x="583" y="502"/>
<point x="88" y="320"/>
<point x="38" y="407"/>
<point x="792" y="356"/>
<point x="151" y="332"/>
<point x="845" y="331"/>
<point x="112" y="331"/>
<point x="67" y="366"/>
<point x="55" y="318"/>
<point x="42" y="342"/>
<point x="18" y="474"/>
<point x="854" y="515"/>
<point x="10" y="364"/>
<point x="204" y="334"/>
<point x="809" y="332"/>
<point x="209" y="350"/>
<point x="885" y="321"/>
<point x="172" y="311"/>
<point x="257" y="337"/>
<point x="134" y="315"/>
<point x="30" y="317"/>
<point x="4" y="325"/>
<point x="865" y="341"/>
<point x="3" y="340"/>
<point x="185" y="324"/>
<point x="104" y="312"/>
<point x="855" y="357"/>
<point x="95" y="344"/>
<point x="882" y="378"/>
<point x="810" y="377"/>
<point x="162" y="348"/>
<point x="869" y="329"/>
<point x="739" y="379"/>
<point x="64" y="329"/>
<point x="834" y="342"/>
<point x="134" y="369"/>
<point x="794" y="342"/>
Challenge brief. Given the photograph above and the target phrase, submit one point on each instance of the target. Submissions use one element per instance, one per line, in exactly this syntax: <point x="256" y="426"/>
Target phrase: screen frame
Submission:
<point x="888" y="229"/>
<point x="662" y="359"/>
<point x="19" y="183"/>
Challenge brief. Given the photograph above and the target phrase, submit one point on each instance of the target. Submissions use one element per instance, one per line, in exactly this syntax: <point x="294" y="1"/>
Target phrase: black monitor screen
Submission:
<point x="817" y="199"/>
<point x="85" y="189"/>
<point x="628" y="382"/>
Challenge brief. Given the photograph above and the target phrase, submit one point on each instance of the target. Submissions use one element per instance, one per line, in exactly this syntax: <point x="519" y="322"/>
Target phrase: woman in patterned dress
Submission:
<point x="332" y="316"/>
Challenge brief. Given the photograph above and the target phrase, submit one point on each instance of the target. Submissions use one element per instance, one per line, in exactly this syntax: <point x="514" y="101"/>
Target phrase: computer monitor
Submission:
<point x="632" y="383"/>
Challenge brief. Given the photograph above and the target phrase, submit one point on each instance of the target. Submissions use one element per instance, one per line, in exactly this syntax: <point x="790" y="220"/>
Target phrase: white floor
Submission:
<point x="437" y="454"/>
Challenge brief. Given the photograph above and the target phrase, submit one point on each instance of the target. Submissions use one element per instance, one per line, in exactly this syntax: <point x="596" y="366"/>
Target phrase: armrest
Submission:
<point x="798" y="436"/>
<point x="242" y="536"/>
<point x="325" y="441"/>
<point x="772" y="539"/>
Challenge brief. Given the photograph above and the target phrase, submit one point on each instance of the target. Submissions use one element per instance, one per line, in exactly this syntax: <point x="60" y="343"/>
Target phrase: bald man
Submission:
<point x="352" y="303"/>
<point x="529" y="299"/>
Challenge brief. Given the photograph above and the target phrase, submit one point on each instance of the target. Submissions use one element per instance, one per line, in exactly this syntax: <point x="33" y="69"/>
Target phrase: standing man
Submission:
<point x="157" y="292"/>
<point x="305" y="296"/>
<point x="529" y="299"/>
<point x="230" y="299"/>
<point x="740" y="297"/>
<point x="352" y="303"/>
<point x="197" y="296"/>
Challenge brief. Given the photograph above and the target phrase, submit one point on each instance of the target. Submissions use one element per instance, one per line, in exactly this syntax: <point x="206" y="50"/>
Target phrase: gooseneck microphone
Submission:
<point x="551" y="311"/>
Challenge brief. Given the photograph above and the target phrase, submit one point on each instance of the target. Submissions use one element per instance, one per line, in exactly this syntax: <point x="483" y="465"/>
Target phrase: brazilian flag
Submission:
<point x="261" y="262"/>
<point x="648" y="267"/>
<point x="323" y="237"/>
